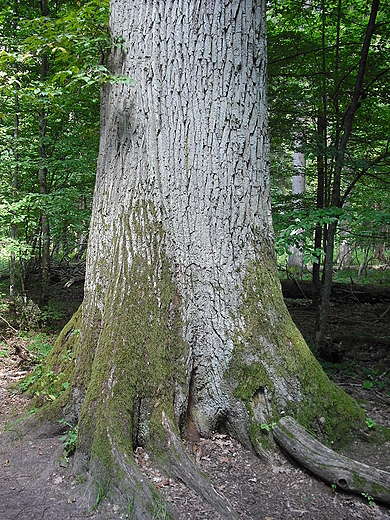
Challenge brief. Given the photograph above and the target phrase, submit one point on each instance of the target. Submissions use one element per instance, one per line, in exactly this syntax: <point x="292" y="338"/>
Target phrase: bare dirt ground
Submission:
<point x="34" y="485"/>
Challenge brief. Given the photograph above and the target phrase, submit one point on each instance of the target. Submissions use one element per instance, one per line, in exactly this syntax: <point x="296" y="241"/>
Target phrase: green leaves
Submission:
<point x="74" y="40"/>
<point x="295" y="224"/>
<point x="69" y="439"/>
<point x="314" y="55"/>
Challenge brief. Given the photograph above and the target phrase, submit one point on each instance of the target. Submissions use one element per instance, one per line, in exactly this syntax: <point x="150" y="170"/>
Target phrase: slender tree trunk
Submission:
<point x="298" y="189"/>
<point x="45" y="227"/>
<point x="339" y="164"/>
<point x="15" y="179"/>
<point x="344" y="255"/>
<point x="15" y="185"/>
<point x="322" y="174"/>
<point x="183" y="325"/>
<point x="318" y="231"/>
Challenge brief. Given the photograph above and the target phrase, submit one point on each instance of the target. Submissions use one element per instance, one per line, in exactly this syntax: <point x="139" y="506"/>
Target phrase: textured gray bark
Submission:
<point x="183" y="322"/>
<point x="190" y="138"/>
<point x="298" y="188"/>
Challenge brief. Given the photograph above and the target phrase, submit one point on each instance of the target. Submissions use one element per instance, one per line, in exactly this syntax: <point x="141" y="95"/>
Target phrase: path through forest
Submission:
<point x="35" y="485"/>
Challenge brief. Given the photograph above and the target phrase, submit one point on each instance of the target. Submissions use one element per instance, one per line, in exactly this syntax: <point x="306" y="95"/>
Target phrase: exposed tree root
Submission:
<point x="345" y="473"/>
<point x="180" y="465"/>
<point x="132" y="488"/>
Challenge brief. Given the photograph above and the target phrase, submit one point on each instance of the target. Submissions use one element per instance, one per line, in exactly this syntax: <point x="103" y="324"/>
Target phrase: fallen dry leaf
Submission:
<point x="162" y="483"/>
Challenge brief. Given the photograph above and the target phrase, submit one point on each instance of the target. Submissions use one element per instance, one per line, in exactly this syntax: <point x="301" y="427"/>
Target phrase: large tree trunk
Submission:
<point x="183" y="322"/>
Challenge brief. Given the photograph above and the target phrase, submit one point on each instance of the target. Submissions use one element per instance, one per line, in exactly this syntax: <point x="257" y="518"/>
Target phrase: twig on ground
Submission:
<point x="19" y="352"/>
<point x="383" y="315"/>
<point x="9" y="325"/>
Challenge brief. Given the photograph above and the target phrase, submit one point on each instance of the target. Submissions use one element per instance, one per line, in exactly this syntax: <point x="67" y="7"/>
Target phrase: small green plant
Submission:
<point x="374" y="379"/>
<point x="102" y="493"/>
<point x="131" y="514"/>
<point x="40" y="343"/>
<point x="26" y="383"/>
<point x="44" y="383"/>
<point x="371" y="501"/>
<point x="53" y="313"/>
<point x="69" y="438"/>
<point x="81" y="478"/>
<point x="267" y="427"/>
<point x="160" y="508"/>
<point x="370" y="423"/>
<point x="4" y="352"/>
<point x="334" y="487"/>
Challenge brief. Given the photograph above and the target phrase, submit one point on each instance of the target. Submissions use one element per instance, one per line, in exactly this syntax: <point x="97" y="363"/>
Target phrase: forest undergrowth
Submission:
<point x="37" y="476"/>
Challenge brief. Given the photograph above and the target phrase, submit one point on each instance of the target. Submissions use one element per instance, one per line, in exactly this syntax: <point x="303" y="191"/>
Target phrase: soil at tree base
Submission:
<point x="34" y="484"/>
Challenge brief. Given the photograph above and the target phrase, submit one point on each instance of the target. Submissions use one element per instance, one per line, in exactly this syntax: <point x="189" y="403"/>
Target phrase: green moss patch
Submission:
<point x="135" y="367"/>
<point x="270" y="352"/>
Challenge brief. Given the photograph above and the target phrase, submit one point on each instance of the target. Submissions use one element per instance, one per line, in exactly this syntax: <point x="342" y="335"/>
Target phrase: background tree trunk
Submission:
<point x="15" y="186"/>
<point x="298" y="188"/>
<point x="183" y="322"/>
<point x="15" y="177"/>
<point x="336" y="201"/>
<point x="319" y="231"/>
<point x="42" y="177"/>
<point x="344" y="257"/>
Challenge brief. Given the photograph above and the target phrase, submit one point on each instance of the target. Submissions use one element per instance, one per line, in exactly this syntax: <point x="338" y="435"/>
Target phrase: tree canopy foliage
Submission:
<point x="329" y="87"/>
<point x="49" y="121"/>
<point x="314" y="54"/>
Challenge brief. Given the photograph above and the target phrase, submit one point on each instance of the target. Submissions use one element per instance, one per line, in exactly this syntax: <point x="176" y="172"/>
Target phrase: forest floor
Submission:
<point x="34" y="484"/>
